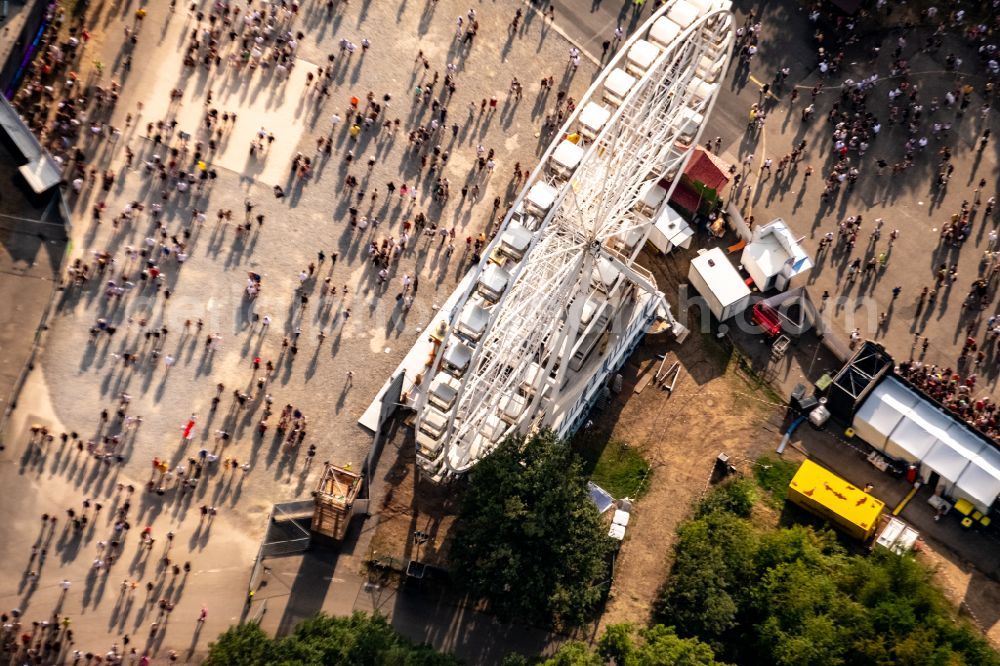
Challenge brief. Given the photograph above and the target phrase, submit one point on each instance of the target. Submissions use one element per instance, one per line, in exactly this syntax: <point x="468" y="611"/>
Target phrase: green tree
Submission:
<point x="795" y="597"/>
<point x="736" y="497"/>
<point x="662" y="646"/>
<point x="615" y="646"/>
<point x="528" y="538"/>
<point x="705" y="593"/>
<point x="245" y="644"/>
<point x="573" y="653"/>
<point x="322" y="640"/>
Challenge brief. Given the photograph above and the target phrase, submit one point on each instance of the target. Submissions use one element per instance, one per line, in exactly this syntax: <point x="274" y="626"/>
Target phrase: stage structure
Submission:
<point x="532" y="334"/>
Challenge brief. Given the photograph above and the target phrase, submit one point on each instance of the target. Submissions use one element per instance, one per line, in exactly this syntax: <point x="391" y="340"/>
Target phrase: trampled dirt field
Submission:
<point x="409" y="506"/>
<point x="714" y="409"/>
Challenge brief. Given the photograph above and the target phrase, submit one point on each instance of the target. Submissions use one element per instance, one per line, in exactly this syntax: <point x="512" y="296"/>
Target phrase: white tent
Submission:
<point x="904" y="424"/>
<point x="950" y="456"/>
<point x="882" y="412"/>
<point x="980" y="482"/>
<point x="919" y="431"/>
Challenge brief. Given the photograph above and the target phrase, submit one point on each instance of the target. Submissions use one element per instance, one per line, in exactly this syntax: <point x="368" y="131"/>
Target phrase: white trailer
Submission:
<point x="719" y="284"/>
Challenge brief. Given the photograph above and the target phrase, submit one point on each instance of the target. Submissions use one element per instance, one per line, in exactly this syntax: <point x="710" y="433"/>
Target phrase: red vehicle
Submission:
<point x="767" y="318"/>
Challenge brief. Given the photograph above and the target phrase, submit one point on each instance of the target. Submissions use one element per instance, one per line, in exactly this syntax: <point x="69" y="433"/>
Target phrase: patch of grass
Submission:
<point x="614" y="465"/>
<point x="773" y="475"/>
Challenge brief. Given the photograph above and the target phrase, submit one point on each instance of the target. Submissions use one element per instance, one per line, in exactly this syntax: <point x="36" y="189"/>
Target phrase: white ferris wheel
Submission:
<point x="530" y="328"/>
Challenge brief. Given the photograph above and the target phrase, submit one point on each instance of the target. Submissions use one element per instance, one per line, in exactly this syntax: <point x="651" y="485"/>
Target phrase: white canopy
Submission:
<point x="593" y="116"/>
<point x="618" y="82"/>
<point x="516" y="239"/>
<point x="457" y="355"/>
<point x="950" y="455"/>
<point x="473" y="320"/>
<point x="898" y="421"/>
<point x="493" y="280"/>
<point x="642" y="55"/>
<point x="683" y="13"/>
<point x="664" y="31"/>
<point x="879" y="415"/>
<point x="541" y="196"/>
<point x="980" y="482"/>
<point x="923" y="426"/>
<point x="567" y="155"/>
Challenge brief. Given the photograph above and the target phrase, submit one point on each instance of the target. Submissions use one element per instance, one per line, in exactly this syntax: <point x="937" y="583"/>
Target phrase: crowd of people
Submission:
<point x="957" y="392"/>
<point x="387" y="218"/>
<point x="926" y="127"/>
<point x="70" y="104"/>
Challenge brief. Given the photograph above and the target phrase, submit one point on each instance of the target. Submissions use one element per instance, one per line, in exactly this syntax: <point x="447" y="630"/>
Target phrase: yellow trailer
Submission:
<point x="820" y="491"/>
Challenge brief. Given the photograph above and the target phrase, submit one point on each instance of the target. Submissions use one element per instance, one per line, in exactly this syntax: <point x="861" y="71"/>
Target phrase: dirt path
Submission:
<point x="714" y="409"/>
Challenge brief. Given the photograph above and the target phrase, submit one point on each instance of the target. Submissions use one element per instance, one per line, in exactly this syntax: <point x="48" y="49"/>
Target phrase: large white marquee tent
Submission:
<point x="903" y="424"/>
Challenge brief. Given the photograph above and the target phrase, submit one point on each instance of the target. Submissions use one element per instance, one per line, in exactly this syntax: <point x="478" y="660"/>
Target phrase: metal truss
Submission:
<point x="647" y="139"/>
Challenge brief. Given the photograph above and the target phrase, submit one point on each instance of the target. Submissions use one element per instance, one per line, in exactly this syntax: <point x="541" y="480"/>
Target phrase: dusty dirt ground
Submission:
<point x="975" y="595"/>
<point x="409" y="505"/>
<point x="714" y="409"/>
<point x="718" y="406"/>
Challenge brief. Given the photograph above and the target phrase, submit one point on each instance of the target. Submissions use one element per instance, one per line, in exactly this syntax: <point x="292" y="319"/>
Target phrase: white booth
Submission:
<point x="980" y="482"/>
<point x="617" y="85"/>
<point x="774" y="256"/>
<point x="670" y="230"/>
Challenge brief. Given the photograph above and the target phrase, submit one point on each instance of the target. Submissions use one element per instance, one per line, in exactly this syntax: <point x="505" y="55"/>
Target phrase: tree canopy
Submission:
<point x="622" y="645"/>
<point x="528" y="538"/>
<point x="795" y="597"/>
<point x="357" y="640"/>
